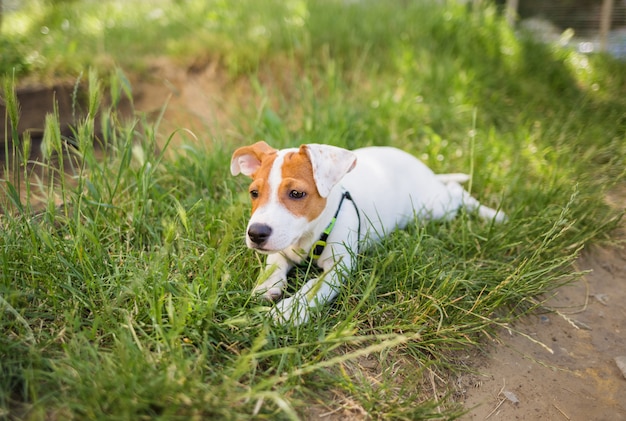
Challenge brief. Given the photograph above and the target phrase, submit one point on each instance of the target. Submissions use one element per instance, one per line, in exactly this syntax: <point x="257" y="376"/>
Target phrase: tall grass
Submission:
<point x="128" y="294"/>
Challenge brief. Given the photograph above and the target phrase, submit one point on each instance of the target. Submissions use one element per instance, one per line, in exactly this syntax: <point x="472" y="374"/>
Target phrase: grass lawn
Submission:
<point x="128" y="295"/>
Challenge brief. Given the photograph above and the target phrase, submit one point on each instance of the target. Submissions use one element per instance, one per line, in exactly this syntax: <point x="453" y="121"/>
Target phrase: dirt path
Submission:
<point x="561" y="365"/>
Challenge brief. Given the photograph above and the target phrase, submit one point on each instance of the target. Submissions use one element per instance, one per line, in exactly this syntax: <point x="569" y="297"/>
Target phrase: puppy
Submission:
<point x="325" y="203"/>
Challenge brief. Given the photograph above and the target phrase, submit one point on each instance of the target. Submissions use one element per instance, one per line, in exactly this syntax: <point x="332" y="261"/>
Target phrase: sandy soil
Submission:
<point x="561" y="365"/>
<point x="555" y="365"/>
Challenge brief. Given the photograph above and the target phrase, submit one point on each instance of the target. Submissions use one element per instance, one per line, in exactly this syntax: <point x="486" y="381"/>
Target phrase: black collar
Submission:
<point x="318" y="247"/>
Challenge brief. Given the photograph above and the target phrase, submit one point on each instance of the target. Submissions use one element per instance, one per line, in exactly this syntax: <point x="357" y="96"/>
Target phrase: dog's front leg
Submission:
<point x="315" y="293"/>
<point x="273" y="279"/>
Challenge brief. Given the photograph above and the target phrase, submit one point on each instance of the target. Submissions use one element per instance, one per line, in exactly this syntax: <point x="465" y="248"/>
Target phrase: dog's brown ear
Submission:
<point x="330" y="164"/>
<point x="247" y="159"/>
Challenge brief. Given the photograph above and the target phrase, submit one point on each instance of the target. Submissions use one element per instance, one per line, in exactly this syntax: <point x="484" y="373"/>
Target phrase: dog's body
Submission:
<point x="298" y="194"/>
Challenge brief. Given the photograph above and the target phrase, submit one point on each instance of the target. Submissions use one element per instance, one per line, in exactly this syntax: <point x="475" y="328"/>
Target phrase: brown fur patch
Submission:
<point x="297" y="174"/>
<point x="260" y="181"/>
<point x="255" y="154"/>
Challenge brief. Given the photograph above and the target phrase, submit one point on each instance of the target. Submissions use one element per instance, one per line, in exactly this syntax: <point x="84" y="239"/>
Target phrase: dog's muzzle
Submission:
<point x="259" y="233"/>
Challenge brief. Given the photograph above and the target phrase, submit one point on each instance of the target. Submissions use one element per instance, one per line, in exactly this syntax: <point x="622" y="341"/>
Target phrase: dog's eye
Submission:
<point x="295" y="194"/>
<point x="254" y="194"/>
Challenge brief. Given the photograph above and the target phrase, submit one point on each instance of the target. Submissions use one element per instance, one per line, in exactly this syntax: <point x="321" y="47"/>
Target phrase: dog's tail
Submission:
<point x="453" y="178"/>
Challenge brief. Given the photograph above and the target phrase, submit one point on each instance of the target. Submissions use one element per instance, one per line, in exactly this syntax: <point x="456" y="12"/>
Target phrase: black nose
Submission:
<point x="259" y="233"/>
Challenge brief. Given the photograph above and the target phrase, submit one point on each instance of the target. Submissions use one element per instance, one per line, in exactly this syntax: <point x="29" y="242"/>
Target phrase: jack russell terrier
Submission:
<point x="325" y="204"/>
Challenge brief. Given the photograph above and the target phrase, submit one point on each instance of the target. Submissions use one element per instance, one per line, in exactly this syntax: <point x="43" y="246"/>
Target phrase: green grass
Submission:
<point x="128" y="294"/>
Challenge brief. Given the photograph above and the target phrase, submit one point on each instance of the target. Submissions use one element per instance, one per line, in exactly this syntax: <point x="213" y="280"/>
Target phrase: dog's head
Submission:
<point x="289" y="189"/>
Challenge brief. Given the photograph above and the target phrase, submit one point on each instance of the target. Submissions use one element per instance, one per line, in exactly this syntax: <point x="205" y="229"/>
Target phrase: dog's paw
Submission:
<point x="271" y="289"/>
<point x="293" y="310"/>
<point x="269" y="294"/>
<point x="273" y="294"/>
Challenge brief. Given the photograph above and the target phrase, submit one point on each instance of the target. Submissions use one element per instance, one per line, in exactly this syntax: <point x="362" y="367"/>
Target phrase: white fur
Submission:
<point x="330" y="164"/>
<point x="390" y="188"/>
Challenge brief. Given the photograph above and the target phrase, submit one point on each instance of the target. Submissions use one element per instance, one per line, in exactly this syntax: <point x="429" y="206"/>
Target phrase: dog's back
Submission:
<point x="394" y="187"/>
